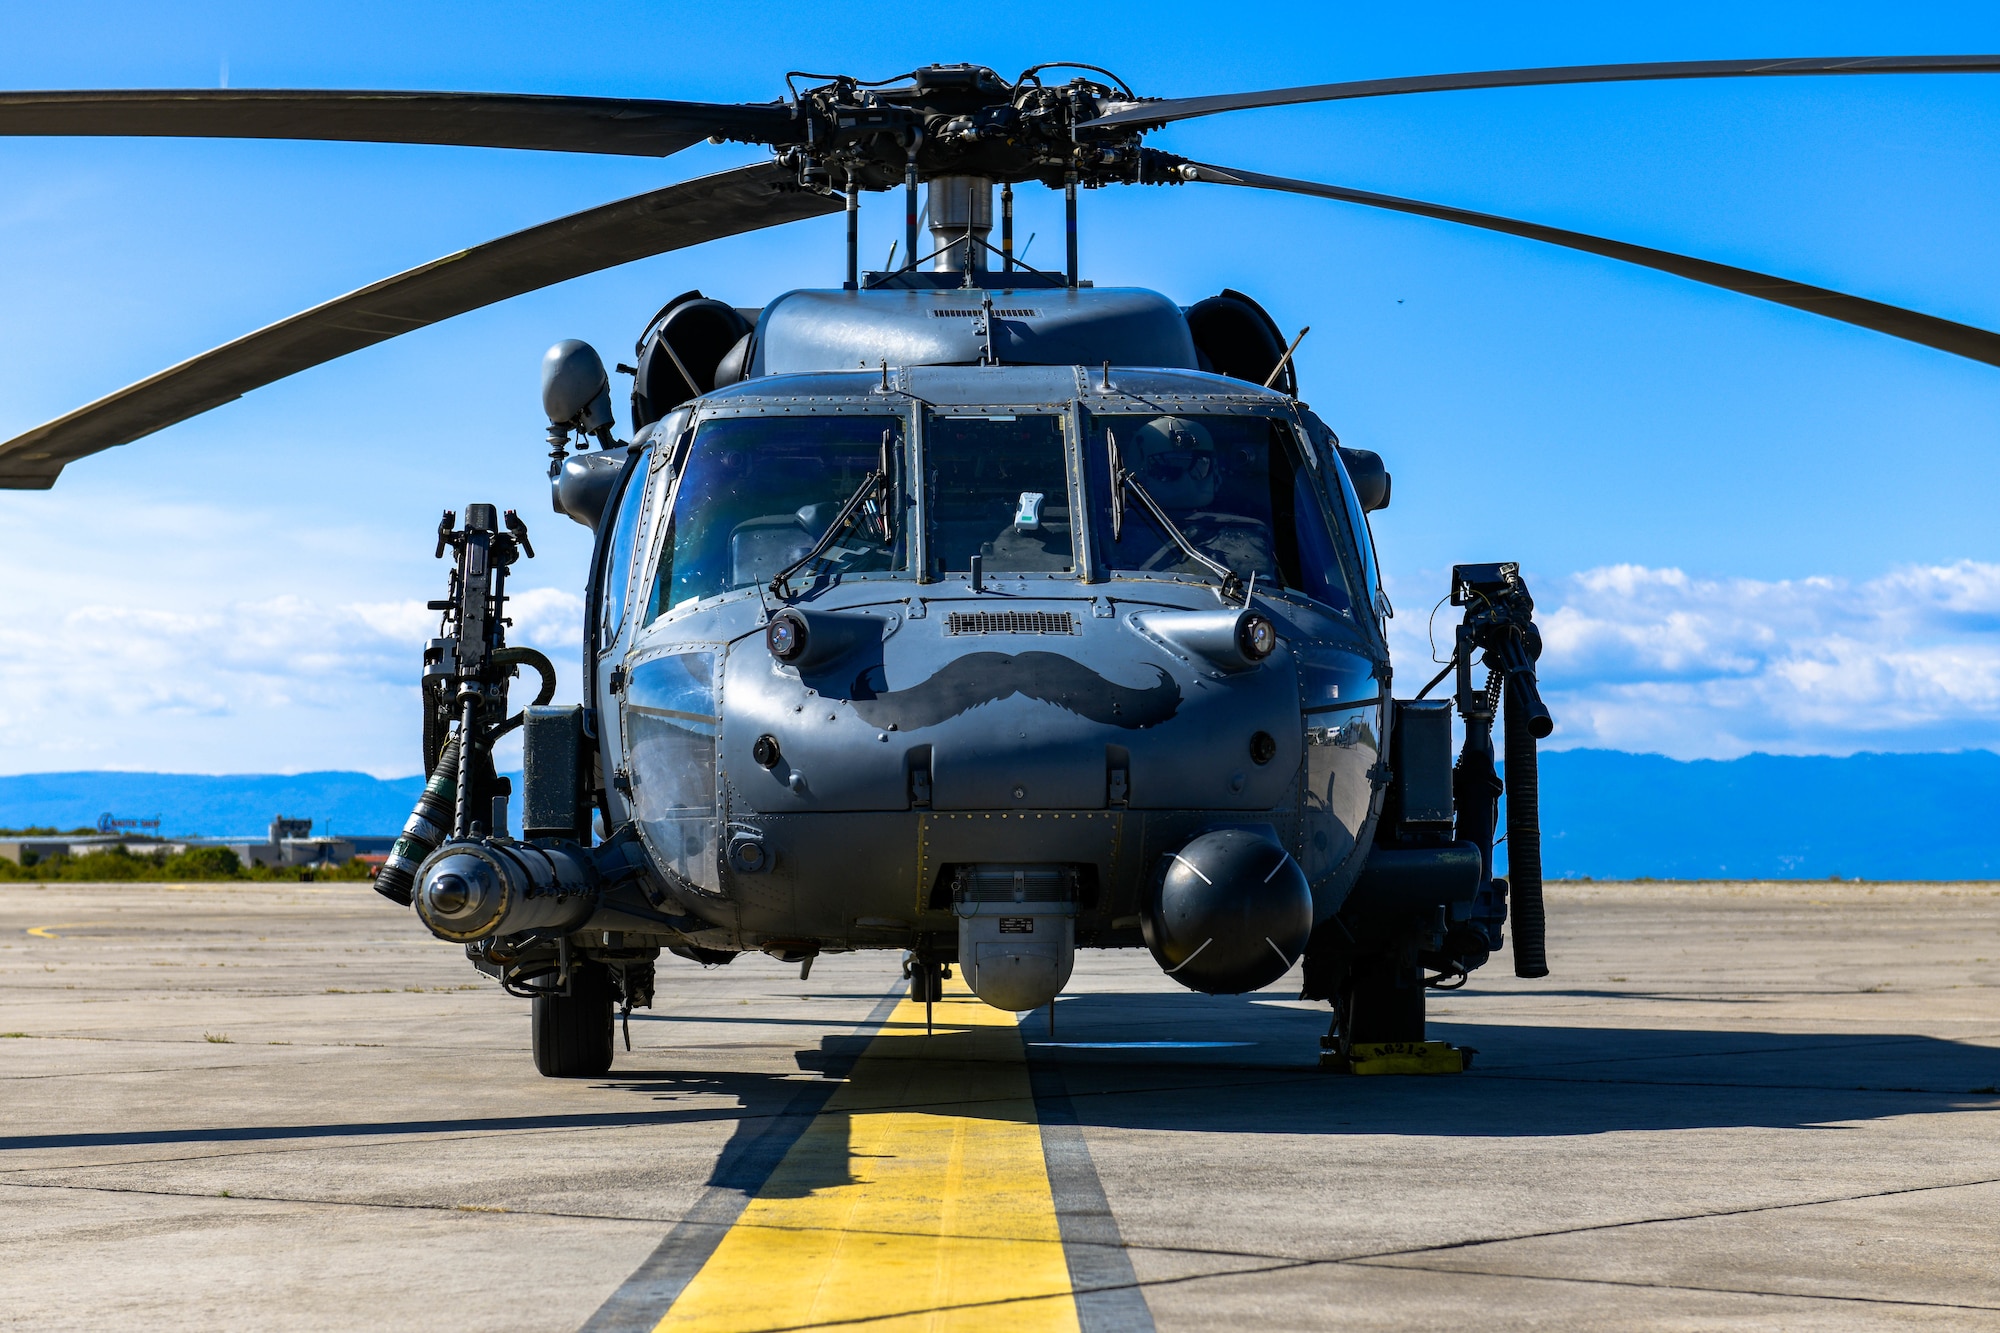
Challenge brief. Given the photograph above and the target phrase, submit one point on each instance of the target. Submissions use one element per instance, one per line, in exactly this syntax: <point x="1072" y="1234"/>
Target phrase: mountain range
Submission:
<point x="1606" y="814"/>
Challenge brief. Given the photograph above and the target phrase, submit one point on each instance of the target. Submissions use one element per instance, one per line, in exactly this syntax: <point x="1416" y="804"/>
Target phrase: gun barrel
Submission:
<point x="1533" y="713"/>
<point x="428" y="825"/>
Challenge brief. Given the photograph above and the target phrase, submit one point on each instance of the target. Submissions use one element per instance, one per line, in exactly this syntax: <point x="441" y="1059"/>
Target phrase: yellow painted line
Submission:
<point x="47" y="932"/>
<point x="918" y="1199"/>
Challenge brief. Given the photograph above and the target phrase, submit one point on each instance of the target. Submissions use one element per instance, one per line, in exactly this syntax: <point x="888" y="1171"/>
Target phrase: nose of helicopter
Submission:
<point x="995" y="710"/>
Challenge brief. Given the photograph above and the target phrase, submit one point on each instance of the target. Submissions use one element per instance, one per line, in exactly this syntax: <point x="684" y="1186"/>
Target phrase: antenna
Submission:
<point x="1286" y="359"/>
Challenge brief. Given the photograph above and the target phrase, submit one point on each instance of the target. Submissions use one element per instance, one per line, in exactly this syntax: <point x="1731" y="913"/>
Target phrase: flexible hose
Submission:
<point x="1524" y="841"/>
<point x="528" y="657"/>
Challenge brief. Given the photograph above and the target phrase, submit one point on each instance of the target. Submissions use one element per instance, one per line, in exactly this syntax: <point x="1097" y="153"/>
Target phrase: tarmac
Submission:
<point x="286" y="1106"/>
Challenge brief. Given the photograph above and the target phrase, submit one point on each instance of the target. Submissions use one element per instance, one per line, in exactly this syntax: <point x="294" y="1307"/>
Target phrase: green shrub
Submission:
<point x="196" y="863"/>
<point x="105" y="863"/>
<point x="204" y="863"/>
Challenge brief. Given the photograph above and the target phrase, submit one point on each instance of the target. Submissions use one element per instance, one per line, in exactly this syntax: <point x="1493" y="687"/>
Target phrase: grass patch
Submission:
<point x="219" y="1038"/>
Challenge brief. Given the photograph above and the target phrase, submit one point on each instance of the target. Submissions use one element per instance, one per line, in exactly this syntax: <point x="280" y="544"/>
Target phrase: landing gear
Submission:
<point x="927" y="977"/>
<point x="1385" y="1000"/>
<point x="572" y="1033"/>
<point x="1378" y="1014"/>
<point x="1376" y="997"/>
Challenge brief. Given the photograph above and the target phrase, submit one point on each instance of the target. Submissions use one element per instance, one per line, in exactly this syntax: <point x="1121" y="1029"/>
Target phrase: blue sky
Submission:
<point x="1748" y="528"/>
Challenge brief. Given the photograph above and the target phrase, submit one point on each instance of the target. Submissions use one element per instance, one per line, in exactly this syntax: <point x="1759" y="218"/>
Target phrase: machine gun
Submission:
<point x="514" y="903"/>
<point x="1500" y="624"/>
<point x="467" y="668"/>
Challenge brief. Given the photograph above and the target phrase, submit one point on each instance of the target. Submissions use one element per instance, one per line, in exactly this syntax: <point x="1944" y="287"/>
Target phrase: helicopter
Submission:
<point x="966" y="609"/>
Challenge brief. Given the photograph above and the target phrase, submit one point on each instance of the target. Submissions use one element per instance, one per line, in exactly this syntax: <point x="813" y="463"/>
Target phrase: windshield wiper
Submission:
<point x="878" y="480"/>
<point x="1232" y="583"/>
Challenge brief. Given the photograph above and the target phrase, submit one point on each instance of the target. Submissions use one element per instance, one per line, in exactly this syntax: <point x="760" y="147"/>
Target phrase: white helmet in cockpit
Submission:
<point x="1174" y="459"/>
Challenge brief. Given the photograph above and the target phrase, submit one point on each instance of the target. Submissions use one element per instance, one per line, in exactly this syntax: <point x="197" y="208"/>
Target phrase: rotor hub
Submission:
<point x="966" y="121"/>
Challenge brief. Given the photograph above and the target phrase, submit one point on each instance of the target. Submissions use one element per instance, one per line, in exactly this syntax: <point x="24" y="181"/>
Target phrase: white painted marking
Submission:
<point x="1191" y="957"/>
<point x="1140" y="1045"/>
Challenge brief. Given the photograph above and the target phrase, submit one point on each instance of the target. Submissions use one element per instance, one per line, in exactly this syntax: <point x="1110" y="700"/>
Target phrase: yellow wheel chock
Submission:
<point x="1400" y="1057"/>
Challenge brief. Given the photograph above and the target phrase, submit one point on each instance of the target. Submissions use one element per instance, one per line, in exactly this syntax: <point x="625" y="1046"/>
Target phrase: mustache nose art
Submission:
<point x="980" y="678"/>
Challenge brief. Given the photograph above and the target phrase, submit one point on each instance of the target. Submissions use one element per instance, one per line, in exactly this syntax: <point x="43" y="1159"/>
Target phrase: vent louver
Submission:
<point x="1010" y="622"/>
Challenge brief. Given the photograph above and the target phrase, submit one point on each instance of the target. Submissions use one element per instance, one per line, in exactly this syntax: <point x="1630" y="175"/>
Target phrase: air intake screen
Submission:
<point x="1011" y="622"/>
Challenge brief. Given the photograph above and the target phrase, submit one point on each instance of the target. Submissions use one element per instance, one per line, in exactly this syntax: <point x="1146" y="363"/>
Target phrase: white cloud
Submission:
<point x="166" y="646"/>
<point x="193" y="637"/>
<point x="1651" y="659"/>
<point x="281" y="683"/>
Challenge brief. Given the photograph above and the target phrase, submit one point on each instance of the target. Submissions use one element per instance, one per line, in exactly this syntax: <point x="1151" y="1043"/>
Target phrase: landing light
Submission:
<point x="785" y="636"/>
<point x="1256" y="636"/>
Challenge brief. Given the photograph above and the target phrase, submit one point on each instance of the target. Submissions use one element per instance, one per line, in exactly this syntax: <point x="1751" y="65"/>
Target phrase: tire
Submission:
<point x="927" y="980"/>
<point x="1387" y="1002"/>
<point x="572" y="1033"/>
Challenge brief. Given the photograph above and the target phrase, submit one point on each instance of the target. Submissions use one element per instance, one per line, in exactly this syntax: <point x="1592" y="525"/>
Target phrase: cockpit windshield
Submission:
<point x="1236" y="487"/>
<point x="999" y="489"/>
<point x="756" y="494"/>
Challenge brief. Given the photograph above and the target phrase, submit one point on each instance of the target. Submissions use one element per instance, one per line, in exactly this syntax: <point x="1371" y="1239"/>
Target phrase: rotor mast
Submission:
<point x="961" y="220"/>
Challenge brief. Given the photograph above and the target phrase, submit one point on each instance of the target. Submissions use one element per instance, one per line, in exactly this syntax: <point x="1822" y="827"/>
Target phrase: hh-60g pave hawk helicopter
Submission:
<point x="965" y="610"/>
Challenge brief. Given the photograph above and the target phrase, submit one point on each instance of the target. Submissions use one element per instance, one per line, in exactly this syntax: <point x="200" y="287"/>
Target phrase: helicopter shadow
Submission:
<point x="1247" y="1065"/>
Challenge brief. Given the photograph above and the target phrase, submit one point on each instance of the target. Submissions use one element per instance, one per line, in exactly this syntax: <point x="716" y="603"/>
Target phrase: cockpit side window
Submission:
<point x="999" y="489"/>
<point x="757" y="493"/>
<point x="1348" y="504"/>
<point x="616" y="575"/>
<point x="1237" y="487"/>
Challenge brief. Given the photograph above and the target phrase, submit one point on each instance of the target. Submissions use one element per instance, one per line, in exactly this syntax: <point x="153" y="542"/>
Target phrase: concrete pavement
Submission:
<point x="285" y="1106"/>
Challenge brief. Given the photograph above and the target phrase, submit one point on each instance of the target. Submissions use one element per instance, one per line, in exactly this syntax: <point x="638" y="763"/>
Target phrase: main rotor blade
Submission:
<point x="726" y="204"/>
<point x="1184" y="108"/>
<point x="635" y="127"/>
<point x="1909" y="325"/>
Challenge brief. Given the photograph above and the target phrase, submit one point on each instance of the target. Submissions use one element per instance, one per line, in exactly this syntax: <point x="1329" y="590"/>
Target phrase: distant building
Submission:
<point x="27" y="851"/>
<point x="289" y="842"/>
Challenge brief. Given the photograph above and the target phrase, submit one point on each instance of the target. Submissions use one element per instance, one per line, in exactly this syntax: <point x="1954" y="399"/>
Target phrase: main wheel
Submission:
<point x="572" y="1033"/>
<point x="1387" y="1002"/>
